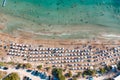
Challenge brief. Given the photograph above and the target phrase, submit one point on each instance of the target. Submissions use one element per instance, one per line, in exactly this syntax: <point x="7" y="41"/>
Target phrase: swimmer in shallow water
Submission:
<point x="4" y="3"/>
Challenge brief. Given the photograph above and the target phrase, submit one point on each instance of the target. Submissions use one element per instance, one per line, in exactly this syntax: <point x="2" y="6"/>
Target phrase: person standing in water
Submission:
<point x="3" y="3"/>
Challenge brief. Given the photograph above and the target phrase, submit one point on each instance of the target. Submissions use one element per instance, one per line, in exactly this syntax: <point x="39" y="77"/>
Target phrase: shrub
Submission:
<point x="102" y="70"/>
<point x="78" y="74"/>
<point x="69" y="74"/>
<point x="89" y="72"/>
<point x="39" y="67"/>
<point x="47" y="68"/>
<point x="118" y="66"/>
<point x="74" y="79"/>
<point x="2" y="64"/>
<point x="57" y="72"/>
<point x="12" y="76"/>
<point x="27" y="65"/>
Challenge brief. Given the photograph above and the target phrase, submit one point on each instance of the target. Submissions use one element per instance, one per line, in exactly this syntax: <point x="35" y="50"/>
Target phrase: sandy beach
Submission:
<point x="75" y="35"/>
<point x="66" y="43"/>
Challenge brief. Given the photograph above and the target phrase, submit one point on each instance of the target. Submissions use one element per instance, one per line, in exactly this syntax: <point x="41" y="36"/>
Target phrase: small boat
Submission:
<point x="4" y="3"/>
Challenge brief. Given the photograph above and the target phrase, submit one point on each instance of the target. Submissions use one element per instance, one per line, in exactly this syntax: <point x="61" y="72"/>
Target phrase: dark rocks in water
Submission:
<point x="102" y="14"/>
<point x="86" y="22"/>
<point x="48" y="13"/>
<point x="38" y="16"/>
<point x="15" y="2"/>
<point x="57" y="8"/>
<point x="49" y="25"/>
<point x="81" y="20"/>
<point x="58" y="3"/>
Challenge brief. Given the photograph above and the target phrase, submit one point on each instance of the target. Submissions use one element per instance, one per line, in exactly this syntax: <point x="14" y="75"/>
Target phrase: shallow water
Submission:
<point x="100" y="13"/>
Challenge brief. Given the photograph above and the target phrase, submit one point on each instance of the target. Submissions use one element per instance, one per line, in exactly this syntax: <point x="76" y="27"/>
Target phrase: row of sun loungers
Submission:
<point x="80" y="59"/>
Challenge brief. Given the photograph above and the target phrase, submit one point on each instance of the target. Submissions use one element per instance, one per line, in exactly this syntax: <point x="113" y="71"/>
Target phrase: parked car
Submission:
<point x="28" y="70"/>
<point x="5" y="68"/>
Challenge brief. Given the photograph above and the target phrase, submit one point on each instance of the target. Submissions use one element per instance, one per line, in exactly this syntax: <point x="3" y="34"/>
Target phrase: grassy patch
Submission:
<point x="2" y="64"/>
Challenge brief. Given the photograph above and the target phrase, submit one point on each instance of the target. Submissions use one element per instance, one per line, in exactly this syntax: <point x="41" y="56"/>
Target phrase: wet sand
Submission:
<point x="66" y="43"/>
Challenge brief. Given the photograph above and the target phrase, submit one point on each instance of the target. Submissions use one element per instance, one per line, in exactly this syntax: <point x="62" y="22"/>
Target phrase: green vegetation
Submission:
<point x="2" y="74"/>
<point x="20" y="65"/>
<point x="61" y="77"/>
<point x="118" y="66"/>
<point x="26" y="65"/>
<point x="78" y="74"/>
<point x="69" y="74"/>
<point x="103" y="70"/>
<point x="57" y="72"/>
<point x="47" y="68"/>
<point x="108" y="68"/>
<point x="12" y="76"/>
<point x="7" y="63"/>
<point x="2" y="64"/>
<point x="11" y="63"/>
<point x="74" y="78"/>
<point x="39" y="67"/>
<point x="89" y="72"/>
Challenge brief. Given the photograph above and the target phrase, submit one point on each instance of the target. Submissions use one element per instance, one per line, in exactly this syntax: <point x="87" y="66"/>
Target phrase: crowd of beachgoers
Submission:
<point x="79" y="59"/>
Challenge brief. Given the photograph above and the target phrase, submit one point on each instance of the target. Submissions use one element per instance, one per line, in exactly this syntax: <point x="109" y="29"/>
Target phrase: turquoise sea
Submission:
<point x="104" y="15"/>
